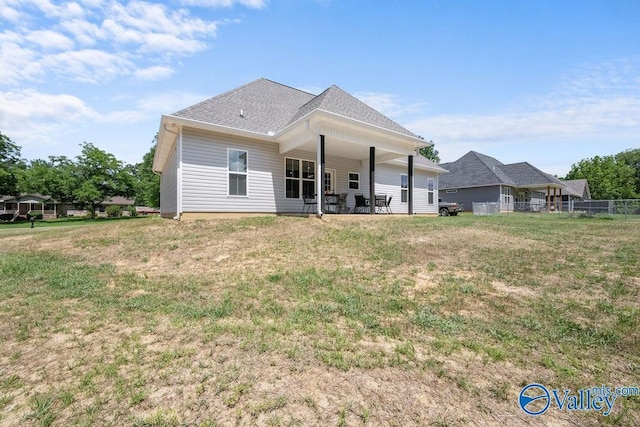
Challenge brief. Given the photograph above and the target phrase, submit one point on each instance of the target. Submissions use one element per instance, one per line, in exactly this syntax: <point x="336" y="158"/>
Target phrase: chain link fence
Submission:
<point x="627" y="208"/>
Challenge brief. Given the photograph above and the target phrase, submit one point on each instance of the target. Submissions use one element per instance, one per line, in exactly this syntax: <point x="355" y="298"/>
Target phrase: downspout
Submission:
<point x="178" y="171"/>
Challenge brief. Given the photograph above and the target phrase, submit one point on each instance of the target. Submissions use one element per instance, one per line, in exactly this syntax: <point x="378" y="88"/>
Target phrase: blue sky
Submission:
<point x="549" y="82"/>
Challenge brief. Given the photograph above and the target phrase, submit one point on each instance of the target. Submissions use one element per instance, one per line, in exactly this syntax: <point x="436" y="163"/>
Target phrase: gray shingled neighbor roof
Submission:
<point x="525" y="174"/>
<point x="473" y="170"/>
<point x="264" y="106"/>
<point x="578" y="188"/>
<point x="478" y="170"/>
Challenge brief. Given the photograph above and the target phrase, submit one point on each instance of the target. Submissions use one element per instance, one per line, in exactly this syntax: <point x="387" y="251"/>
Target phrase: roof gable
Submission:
<point x="473" y="170"/>
<point x="525" y="174"/>
<point x="479" y="170"/>
<point x="578" y="187"/>
<point x="337" y="101"/>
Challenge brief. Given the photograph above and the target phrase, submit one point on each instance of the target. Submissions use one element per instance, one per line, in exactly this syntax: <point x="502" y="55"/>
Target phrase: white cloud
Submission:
<point x="88" y="65"/>
<point x="18" y="63"/>
<point x="9" y="11"/>
<point x="32" y="118"/>
<point x="154" y="73"/>
<point x="64" y="10"/>
<point x="50" y="40"/>
<point x="95" y="41"/>
<point x="254" y="4"/>
<point x="84" y="32"/>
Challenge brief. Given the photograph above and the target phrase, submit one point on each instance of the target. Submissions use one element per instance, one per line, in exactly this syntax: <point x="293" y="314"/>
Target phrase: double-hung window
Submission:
<point x="404" y="188"/>
<point x="431" y="184"/>
<point x="299" y="176"/>
<point x="354" y="181"/>
<point x="237" y="166"/>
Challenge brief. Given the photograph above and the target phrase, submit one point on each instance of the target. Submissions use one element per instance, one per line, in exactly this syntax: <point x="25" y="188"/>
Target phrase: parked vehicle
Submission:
<point x="446" y="209"/>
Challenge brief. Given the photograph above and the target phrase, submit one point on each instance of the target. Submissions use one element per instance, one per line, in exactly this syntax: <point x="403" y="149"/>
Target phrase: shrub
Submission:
<point x="36" y="216"/>
<point x="132" y="211"/>
<point x="113" y="211"/>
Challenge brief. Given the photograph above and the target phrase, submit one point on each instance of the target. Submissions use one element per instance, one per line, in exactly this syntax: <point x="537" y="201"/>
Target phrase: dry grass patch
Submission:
<point x="344" y="321"/>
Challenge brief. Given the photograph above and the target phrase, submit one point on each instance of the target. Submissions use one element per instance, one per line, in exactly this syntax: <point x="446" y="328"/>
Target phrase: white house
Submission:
<point x="260" y="148"/>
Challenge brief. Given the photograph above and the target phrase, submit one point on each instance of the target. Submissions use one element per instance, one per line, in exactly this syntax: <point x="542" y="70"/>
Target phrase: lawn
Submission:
<point x="390" y="320"/>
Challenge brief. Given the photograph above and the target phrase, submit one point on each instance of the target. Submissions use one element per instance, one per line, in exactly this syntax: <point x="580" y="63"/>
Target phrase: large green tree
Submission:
<point x="608" y="178"/>
<point x="100" y="176"/>
<point x="11" y="166"/>
<point x="54" y="177"/>
<point x="147" y="183"/>
<point x="430" y="153"/>
<point x="631" y="158"/>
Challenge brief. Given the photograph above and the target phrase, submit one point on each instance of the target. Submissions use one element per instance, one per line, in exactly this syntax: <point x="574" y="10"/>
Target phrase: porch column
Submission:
<point x="320" y="176"/>
<point x="560" y="191"/>
<point x="548" y="198"/>
<point x="555" y="199"/>
<point x="410" y="186"/>
<point x="372" y="180"/>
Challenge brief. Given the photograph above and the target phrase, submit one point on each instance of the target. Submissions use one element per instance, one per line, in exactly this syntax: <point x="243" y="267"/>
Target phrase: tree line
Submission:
<point x="610" y="177"/>
<point x="88" y="180"/>
<point x="95" y="175"/>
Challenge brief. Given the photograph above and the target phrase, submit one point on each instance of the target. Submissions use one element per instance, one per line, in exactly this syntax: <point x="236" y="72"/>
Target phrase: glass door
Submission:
<point x="329" y="185"/>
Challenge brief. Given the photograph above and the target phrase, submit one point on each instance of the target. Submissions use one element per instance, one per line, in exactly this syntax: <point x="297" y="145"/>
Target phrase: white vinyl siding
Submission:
<point x="205" y="177"/>
<point x="169" y="186"/>
<point x="388" y="182"/>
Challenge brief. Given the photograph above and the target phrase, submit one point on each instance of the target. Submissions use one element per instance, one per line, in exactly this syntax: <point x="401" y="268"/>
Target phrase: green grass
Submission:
<point x="62" y="222"/>
<point x="512" y="300"/>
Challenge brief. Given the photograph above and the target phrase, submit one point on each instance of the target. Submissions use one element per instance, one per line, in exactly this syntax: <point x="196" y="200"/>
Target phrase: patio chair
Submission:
<point x="361" y="204"/>
<point x="331" y="203"/>
<point x="381" y="202"/>
<point x="342" y="203"/>
<point x="388" y="205"/>
<point x="308" y="202"/>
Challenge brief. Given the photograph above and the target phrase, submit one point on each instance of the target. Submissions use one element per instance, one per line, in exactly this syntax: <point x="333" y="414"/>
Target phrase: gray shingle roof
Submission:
<point x="478" y="170"/>
<point x="525" y="174"/>
<point x="337" y="101"/>
<point x="268" y="107"/>
<point x="578" y="188"/>
<point x="473" y="170"/>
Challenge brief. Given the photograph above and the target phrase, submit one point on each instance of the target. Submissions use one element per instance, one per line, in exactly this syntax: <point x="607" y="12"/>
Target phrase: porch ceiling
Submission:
<point x="346" y="138"/>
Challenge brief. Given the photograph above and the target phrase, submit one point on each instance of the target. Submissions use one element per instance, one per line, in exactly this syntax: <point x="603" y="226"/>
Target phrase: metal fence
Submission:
<point x="486" y="208"/>
<point x="622" y="207"/>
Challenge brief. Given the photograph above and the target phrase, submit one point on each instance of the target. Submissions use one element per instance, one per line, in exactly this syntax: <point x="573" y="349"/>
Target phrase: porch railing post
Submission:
<point x="410" y="185"/>
<point x="372" y="180"/>
<point x="320" y="176"/>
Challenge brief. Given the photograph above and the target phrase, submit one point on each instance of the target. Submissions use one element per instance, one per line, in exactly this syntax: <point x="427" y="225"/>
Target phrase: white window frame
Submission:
<point x="356" y="181"/>
<point x="245" y="173"/>
<point x="431" y="191"/>
<point x="507" y="196"/>
<point x="404" y="191"/>
<point x="300" y="178"/>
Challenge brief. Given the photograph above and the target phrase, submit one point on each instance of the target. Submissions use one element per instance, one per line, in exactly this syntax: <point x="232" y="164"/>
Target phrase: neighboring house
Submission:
<point x="124" y="203"/>
<point x="476" y="177"/>
<point x="29" y="204"/>
<point x="260" y="148"/>
<point x="576" y="189"/>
